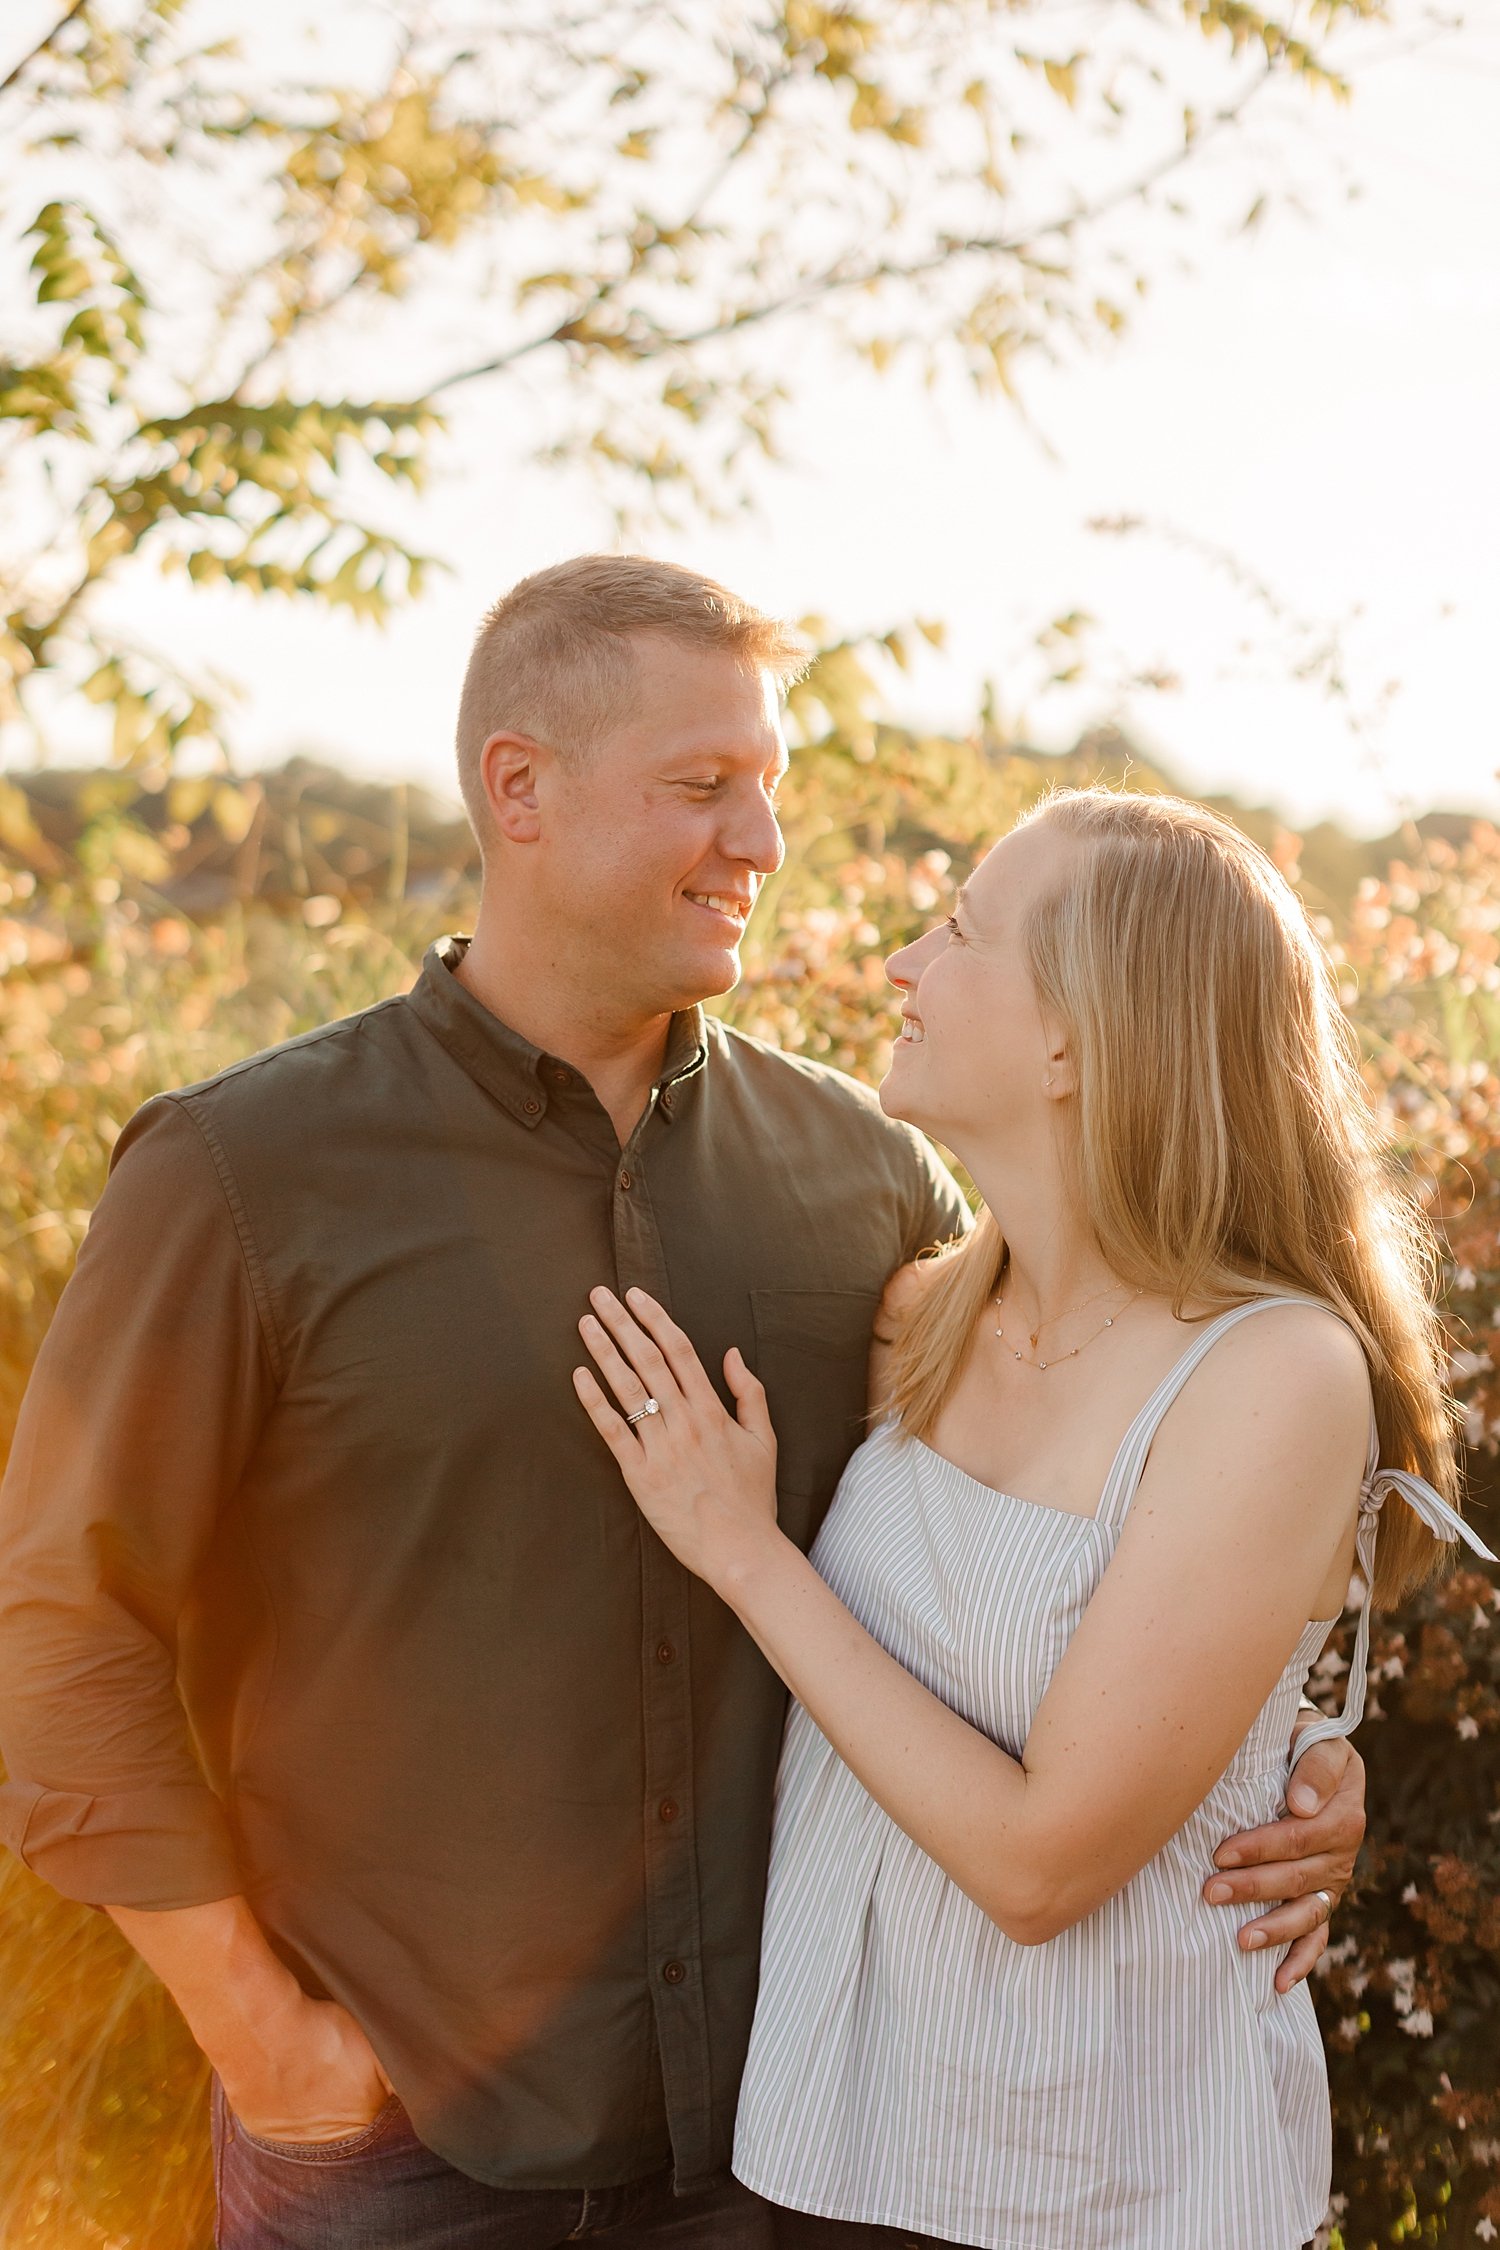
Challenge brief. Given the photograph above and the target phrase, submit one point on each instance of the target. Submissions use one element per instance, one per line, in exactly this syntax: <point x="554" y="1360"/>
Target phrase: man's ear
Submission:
<point x="508" y="771"/>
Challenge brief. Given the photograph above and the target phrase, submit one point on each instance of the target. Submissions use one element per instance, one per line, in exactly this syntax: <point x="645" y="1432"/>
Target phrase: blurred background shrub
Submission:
<point x="151" y="935"/>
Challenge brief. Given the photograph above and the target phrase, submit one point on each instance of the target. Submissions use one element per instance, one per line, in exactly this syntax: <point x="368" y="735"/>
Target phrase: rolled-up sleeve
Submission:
<point x="146" y="1400"/>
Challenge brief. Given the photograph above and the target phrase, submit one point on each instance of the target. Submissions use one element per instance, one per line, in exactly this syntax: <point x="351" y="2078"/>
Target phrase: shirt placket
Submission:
<point x="673" y="1929"/>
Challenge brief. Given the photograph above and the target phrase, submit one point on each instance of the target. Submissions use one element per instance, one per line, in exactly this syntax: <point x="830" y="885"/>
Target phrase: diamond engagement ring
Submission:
<point x="651" y="1407"/>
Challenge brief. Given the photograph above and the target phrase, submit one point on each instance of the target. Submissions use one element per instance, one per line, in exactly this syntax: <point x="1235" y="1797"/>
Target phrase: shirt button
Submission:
<point x="559" y="1076"/>
<point x="665" y="1653"/>
<point x="668" y="1808"/>
<point x="666" y="1099"/>
<point x="673" y="1972"/>
<point x="626" y="1181"/>
<point x="532" y="1106"/>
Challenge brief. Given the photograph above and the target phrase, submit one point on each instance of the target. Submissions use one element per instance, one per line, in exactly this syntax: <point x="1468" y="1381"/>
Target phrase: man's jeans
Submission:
<point x="382" y="2190"/>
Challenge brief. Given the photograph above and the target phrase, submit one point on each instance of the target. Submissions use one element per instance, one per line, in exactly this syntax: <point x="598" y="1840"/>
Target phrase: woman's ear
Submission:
<point x="1059" y="1079"/>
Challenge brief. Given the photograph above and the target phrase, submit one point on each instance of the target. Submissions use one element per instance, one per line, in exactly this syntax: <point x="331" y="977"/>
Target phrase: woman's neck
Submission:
<point x="1053" y="1262"/>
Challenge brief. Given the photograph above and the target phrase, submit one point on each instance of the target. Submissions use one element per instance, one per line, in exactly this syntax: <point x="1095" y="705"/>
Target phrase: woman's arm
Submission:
<point x="1290" y="1867"/>
<point x="1247" y="1500"/>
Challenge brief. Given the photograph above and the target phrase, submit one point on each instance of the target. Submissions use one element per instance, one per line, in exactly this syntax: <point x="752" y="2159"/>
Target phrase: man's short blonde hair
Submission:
<point x="553" y="658"/>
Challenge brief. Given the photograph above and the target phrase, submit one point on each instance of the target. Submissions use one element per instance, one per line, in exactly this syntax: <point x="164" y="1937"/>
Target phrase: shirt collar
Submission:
<point x="509" y="1067"/>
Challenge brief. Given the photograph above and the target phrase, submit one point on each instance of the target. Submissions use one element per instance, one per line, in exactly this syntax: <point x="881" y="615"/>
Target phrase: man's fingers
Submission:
<point x="1278" y="1879"/>
<point x="1302" y="1959"/>
<point x="1329" y="1832"/>
<point x="1319" y="1776"/>
<point x="1294" y="1919"/>
<point x="1292" y="1879"/>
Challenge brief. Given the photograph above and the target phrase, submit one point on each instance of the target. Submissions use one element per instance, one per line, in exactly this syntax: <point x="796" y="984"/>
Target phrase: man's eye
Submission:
<point x="707" y="785"/>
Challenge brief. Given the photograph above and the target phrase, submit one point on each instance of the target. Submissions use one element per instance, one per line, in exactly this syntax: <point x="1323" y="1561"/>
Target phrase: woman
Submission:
<point x="1050" y="1641"/>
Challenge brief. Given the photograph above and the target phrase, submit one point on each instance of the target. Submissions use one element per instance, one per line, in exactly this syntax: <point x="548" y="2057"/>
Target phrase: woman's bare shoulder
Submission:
<point x="1294" y="1374"/>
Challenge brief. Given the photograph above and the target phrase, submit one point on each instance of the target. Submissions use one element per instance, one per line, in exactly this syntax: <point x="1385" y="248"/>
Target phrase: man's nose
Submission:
<point x="753" y="836"/>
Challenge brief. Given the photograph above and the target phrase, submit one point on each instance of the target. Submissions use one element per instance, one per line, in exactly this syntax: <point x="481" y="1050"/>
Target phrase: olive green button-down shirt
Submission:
<point x="317" y="1584"/>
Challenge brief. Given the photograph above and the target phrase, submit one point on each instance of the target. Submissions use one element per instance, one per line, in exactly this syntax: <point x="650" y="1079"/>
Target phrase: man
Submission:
<point x="336" y="1662"/>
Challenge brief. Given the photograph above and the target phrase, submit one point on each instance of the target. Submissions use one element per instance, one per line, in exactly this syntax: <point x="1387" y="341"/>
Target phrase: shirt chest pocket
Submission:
<point x="812" y="1349"/>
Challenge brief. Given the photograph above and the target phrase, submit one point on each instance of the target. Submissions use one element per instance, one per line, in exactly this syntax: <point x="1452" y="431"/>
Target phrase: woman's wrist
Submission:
<point x="755" y="1568"/>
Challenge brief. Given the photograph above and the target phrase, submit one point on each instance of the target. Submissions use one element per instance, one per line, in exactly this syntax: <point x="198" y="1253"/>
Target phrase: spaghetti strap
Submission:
<point x="1441" y="1520"/>
<point x="1130" y="1462"/>
<point x="1376" y="1487"/>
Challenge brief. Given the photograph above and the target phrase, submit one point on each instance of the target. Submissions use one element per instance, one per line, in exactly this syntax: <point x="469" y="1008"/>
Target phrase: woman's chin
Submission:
<point x="898" y="1097"/>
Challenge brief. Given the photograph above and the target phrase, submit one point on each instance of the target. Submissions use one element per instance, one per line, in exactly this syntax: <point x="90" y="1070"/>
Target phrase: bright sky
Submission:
<point x="1318" y="399"/>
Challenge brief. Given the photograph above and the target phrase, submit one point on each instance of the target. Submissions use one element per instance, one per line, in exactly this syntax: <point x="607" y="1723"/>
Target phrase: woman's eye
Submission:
<point x="953" y="929"/>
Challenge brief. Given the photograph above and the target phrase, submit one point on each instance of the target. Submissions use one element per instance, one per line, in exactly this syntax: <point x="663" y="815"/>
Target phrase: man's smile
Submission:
<point x="722" y="904"/>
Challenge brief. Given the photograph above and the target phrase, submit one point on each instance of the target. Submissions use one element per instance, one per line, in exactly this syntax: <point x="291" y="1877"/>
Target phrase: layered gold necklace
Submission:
<point x="1033" y="1334"/>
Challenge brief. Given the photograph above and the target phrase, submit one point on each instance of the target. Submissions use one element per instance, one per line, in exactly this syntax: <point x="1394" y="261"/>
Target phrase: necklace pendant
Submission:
<point x="1042" y="1364"/>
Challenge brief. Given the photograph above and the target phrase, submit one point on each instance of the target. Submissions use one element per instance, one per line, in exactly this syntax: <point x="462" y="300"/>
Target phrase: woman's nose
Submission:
<point x="903" y="968"/>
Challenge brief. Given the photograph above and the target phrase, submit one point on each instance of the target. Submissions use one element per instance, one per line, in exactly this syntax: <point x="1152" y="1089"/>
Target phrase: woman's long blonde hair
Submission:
<point x="1222" y="1140"/>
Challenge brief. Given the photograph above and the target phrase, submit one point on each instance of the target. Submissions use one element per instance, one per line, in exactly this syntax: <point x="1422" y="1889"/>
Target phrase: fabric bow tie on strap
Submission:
<point x="1419" y="1496"/>
<point x="1440" y="1519"/>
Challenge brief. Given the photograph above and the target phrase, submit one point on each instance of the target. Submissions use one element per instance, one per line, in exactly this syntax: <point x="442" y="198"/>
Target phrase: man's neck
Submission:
<point x="620" y="1055"/>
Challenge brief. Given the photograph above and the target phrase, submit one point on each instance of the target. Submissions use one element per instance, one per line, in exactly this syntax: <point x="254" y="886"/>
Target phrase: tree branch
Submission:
<point x="19" y="69"/>
<point x="839" y="281"/>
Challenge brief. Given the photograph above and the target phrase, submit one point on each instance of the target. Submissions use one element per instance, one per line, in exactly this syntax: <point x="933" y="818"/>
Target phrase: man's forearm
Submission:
<point x="292" y="2068"/>
<point x="236" y="1996"/>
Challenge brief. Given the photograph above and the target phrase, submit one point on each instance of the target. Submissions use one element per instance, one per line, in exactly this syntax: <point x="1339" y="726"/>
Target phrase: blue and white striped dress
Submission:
<point x="1135" y="2084"/>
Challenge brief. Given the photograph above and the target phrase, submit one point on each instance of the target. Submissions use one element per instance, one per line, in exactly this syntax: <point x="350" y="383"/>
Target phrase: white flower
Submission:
<point x="1418" y="2023"/>
<point x="1410" y="1895"/>
<point x="1487" y="2230"/>
<point x="1349" y="2027"/>
<point x="1468" y="1729"/>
